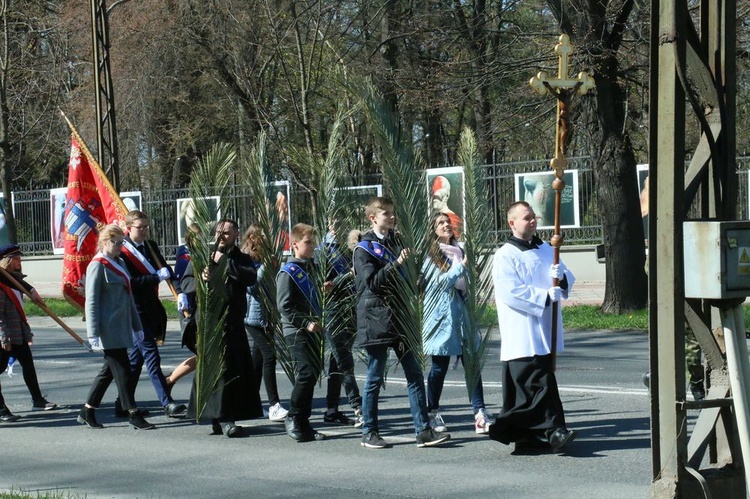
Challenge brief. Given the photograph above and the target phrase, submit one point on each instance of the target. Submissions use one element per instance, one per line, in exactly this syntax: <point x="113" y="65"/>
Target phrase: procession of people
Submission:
<point x="331" y="296"/>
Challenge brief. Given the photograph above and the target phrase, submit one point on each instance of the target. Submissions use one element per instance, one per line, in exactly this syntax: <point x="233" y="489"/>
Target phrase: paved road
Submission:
<point x="599" y="376"/>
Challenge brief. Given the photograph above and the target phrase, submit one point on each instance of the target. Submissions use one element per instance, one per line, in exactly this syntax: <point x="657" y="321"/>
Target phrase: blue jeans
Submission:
<point x="377" y="359"/>
<point x="436" y="379"/>
<point x="145" y="349"/>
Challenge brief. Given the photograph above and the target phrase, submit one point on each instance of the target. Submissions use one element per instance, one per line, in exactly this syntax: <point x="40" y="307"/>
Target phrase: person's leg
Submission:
<point x="343" y="343"/>
<point x="100" y="384"/>
<point x="22" y="353"/>
<point x="333" y="388"/>
<point x="307" y="366"/>
<point x="153" y="365"/>
<point x="264" y="360"/>
<point x="436" y="380"/>
<point x="135" y="356"/>
<point x="377" y="358"/>
<point x="415" y="387"/>
<point x="186" y="367"/>
<point x="477" y="394"/>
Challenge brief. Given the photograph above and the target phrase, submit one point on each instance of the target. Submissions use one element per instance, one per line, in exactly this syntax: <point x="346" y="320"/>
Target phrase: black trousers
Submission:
<point x="341" y="370"/>
<point x="306" y="350"/>
<point x="116" y="366"/>
<point x="22" y="353"/>
<point x="264" y="360"/>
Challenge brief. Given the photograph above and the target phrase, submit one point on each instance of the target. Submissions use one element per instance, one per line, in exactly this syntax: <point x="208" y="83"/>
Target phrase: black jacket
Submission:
<point x="294" y="307"/>
<point x="145" y="288"/>
<point x="375" y="281"/>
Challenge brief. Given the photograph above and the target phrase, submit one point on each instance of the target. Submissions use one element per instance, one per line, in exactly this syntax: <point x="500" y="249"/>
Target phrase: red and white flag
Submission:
<point x="90" y="201"/>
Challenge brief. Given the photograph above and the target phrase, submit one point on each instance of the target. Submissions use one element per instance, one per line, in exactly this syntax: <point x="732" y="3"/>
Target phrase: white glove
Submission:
<point x="554" y="293"/>
<point x="182" y="302"/>
<point x="95" y="344"/>
<point x="557" y="271"/>
<point x="163" y="273"/>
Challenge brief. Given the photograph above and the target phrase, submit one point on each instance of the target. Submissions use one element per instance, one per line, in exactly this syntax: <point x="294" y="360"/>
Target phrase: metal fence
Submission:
<point x="33" y="207"/>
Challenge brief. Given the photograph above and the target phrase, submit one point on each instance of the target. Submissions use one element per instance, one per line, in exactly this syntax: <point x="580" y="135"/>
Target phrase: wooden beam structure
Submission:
<point x="693" y="76"/>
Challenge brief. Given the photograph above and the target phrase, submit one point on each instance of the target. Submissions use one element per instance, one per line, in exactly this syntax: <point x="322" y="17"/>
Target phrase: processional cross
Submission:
<point x="563" y="88"/>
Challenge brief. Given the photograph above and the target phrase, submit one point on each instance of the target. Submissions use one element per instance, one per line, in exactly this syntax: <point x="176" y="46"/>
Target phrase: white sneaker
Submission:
<point x="482" y="422"/>
<point x="437" y="423"/>
<point x="277" y="413"/>
<point x="358" y="419"/>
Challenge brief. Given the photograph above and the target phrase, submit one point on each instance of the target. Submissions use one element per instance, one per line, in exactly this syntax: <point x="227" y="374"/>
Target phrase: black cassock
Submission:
<point x="236" y="395"/>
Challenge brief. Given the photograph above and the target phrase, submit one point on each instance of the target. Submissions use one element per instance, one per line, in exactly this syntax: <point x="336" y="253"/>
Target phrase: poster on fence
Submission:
<point x="642" y="171"/>
<point x="536" y="189"/>
<point x="132" y="200"/>
<point x="356" y="197"/>
<point x="4" y="234"/>
<point x="186" y="214"/>
<point x="279" y="197"/>
<point x="446" y="191"/>
<point x="57" y="219"/>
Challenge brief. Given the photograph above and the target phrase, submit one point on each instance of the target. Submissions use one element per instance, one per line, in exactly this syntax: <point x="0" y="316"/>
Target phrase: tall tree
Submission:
<point x="597" y="29"/>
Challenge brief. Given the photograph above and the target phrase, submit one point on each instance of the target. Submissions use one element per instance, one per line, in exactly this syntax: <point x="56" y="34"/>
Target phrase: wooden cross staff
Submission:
<point x="563" y="88"/>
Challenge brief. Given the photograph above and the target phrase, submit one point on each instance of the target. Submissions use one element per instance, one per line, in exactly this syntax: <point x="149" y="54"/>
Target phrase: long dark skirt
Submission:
<point x="531" y="401"/>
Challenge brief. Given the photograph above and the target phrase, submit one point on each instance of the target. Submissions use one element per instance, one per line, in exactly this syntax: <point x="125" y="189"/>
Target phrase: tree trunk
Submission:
<point x="626" y="287"/>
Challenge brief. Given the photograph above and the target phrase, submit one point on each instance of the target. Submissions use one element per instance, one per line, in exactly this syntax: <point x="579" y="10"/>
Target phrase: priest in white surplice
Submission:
<point x="523" y="273"/>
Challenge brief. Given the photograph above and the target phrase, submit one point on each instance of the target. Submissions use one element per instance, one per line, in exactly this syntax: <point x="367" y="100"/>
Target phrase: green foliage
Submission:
<point x="211" y="295"/>
<point x="476" y="240"/>
<point x="404" y="179"/>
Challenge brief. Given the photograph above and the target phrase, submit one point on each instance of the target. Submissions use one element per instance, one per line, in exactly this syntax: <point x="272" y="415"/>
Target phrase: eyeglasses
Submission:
<point x="116" y="242"/>
<point x="140" y="227"/>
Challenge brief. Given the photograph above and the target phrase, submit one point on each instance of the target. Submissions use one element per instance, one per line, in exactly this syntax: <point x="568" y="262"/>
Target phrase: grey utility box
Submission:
<point x="717" y="259"/>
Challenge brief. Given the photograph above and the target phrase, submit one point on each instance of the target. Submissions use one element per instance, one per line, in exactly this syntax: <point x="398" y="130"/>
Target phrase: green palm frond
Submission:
<point x="404" y="179"/>
<point x="258" y="181"/>
<point x="478" y="245"/>
<point x="324" y="174"/>
<point x="210" y="176"/>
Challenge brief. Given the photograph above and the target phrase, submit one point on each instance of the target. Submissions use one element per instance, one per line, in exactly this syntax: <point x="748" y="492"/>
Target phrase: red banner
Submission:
<point x="90" y="202"/>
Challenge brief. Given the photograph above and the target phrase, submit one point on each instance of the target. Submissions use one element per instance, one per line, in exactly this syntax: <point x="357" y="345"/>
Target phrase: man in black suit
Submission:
<point x="147" y="269"/>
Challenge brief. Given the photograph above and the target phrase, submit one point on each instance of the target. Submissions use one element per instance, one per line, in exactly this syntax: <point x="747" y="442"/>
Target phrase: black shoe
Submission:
<point x="215" y="427"/>
<point x="560" y="438"/>
<point x="310" y="434"/>
<point x="175" y="410"/>
<point x="293" y="428"/>
<point x="372" y="440"/>
<point x="7" y="417"/>
<point x="338" y="417"/>
<point x="87" y="416"/>
<point x="231" y="430"/>
<point x="122" y="413"/>
<point x="43" y="405"/>
<point x="429" y="437"/>
<point x="138" y="423"/>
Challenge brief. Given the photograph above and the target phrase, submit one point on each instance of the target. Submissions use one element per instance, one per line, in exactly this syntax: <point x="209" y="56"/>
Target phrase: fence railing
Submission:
<point x="32" y="208"/>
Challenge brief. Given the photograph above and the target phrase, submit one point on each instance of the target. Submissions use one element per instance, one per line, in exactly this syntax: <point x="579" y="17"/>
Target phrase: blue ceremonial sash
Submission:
<point x="304" y="283"/>
<point x="380" y="252"/>
<point x="337" y="260"/>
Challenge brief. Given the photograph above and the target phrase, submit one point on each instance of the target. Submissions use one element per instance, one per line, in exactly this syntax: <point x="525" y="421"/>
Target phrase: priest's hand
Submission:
<point x="557" y="271"/>
<point x="554" y="293"/>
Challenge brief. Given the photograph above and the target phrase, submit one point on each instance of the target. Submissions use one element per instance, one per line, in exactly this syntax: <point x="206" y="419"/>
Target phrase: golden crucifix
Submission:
<point x="563" y="88"/>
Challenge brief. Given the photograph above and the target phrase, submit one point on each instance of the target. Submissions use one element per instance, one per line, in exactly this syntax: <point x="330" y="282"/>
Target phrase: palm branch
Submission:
<point x="323" y="175"/>
<point x="258" y="182"/>
<point x="210" y="176"/>
<point x="477" y="244"/>
<point x="404" y="179"/>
